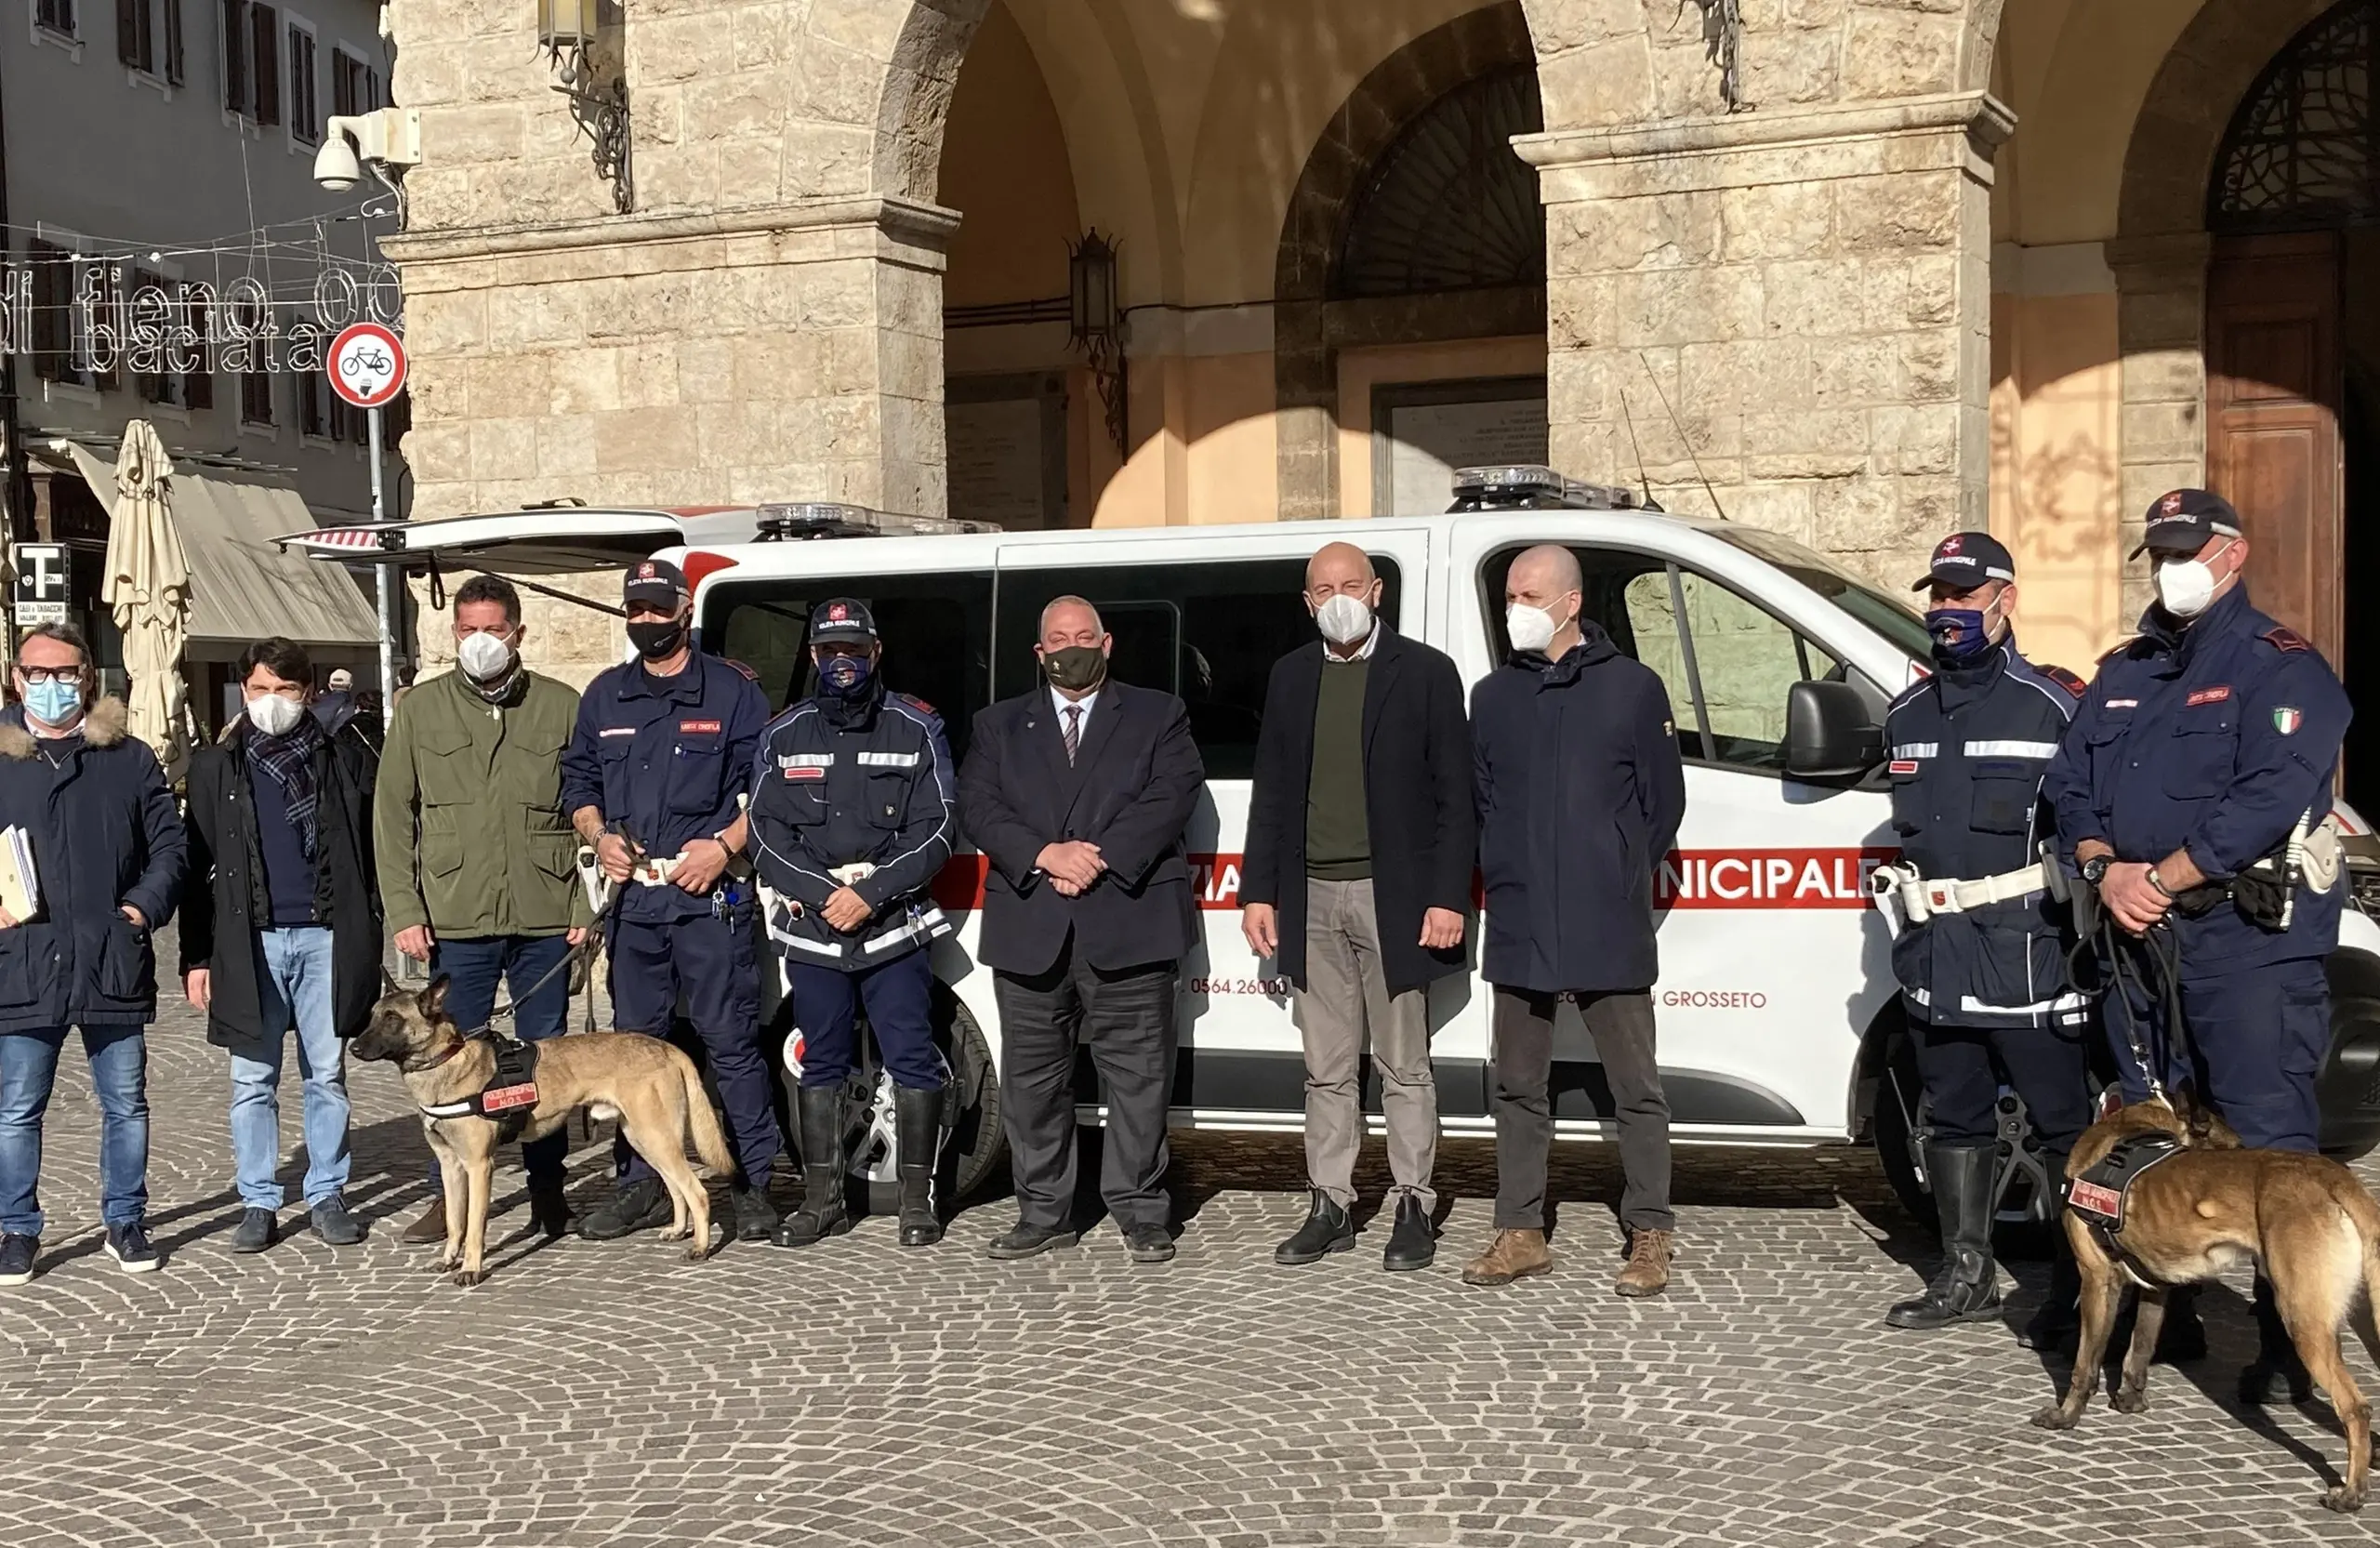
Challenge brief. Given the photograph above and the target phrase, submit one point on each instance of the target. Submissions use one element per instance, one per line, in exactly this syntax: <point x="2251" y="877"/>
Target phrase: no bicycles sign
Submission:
<point x="366" y="365"/>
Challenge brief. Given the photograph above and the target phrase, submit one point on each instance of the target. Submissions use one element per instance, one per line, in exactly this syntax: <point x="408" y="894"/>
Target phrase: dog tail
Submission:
<point x="2364" y="1215"/>
<point x="710" y="1142"/>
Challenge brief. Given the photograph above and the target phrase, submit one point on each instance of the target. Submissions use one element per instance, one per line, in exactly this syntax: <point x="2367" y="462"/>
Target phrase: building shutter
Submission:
<point x="150" y="386"/>
<point x="234" y="35"/>
<point x="52" y="296"/>
<point x="128" y="31"/>
<point x="174" y="71"/>
<point x="267" y="65"/>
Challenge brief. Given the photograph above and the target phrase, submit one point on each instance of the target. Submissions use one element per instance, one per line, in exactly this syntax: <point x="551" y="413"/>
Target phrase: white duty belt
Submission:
<point x="1906" y="898"/>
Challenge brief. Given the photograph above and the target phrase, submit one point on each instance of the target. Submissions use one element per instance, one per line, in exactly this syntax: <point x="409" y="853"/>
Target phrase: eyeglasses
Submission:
<point x="52" y="674"/>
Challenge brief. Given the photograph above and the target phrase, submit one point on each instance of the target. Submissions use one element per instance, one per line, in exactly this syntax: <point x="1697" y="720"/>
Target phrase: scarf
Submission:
<point x="289" y="761"/>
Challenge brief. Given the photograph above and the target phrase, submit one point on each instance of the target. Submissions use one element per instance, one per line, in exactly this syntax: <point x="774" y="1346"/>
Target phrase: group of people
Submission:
<point x="2182" y="790"/>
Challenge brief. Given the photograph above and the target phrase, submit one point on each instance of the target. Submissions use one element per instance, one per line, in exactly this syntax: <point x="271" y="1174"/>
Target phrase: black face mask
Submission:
<point x="1075" y="668"/>
<point x="657" y="638"/>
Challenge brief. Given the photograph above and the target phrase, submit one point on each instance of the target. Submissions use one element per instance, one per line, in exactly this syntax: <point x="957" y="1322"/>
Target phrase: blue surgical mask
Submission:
<point x="1961" y="634"/>
<point x="55" y="702"/>
<point x="845" y="677"/>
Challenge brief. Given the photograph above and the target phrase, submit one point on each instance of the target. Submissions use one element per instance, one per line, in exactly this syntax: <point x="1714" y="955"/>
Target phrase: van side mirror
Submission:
<point x="1829" y="732"/>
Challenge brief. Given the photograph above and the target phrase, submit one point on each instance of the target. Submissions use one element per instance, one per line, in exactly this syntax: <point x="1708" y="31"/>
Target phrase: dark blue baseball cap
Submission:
<point x="1966" y="560"/>
<point x="2180" y="522"/>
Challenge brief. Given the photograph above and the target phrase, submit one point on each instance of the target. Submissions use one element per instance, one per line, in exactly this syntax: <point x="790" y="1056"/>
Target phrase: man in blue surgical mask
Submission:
<point x="1979" y="939"/>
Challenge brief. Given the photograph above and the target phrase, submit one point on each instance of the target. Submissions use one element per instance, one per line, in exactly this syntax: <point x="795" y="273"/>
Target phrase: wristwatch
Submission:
<point x="2094" y="869"/>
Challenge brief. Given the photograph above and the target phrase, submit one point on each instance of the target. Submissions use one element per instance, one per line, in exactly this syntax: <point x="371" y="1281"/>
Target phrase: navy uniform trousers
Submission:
<point x="710" y="961"/>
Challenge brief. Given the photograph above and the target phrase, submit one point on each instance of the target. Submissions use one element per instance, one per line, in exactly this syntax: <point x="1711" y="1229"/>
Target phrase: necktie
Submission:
<point x="1073" y="731"/>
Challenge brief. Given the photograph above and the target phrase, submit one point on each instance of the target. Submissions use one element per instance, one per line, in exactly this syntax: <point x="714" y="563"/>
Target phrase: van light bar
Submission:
<point x="1525" y="485"/>
<point x="777" y="522"/>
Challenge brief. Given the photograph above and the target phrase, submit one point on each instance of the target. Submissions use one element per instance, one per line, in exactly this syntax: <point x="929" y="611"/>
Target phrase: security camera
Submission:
<point x="387" y="141"/>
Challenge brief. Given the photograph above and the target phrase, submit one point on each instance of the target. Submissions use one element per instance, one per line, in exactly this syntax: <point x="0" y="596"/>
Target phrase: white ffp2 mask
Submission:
<point x="1343" y="619"/>
<point x="1531" y="629"/>
<point x="2185" y="587"/>
<point x="483" y="656"/>
<point x="274" y="715"/>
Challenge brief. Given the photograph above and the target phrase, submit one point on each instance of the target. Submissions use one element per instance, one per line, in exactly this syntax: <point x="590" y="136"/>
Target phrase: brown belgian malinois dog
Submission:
<point x="2205" y="1209"/>
<point x="649" y="1086"/>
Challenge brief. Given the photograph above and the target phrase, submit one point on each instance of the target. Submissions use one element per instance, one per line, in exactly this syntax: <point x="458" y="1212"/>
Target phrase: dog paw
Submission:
<point x="2129" y="1399"/>
<point x="2054" y="1417"/>
<point x="465" y="1278"/>
<point x="2344" y="1499"/>
<point x="678" y="1234"/>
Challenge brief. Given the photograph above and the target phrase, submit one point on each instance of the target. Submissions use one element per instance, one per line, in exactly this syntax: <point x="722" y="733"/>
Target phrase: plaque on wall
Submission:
<point x="1007" y="447"/>
<point x="1422" y="432"/>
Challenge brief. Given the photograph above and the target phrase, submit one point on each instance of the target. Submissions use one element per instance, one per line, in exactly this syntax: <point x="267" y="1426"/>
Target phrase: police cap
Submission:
<point x="2180" y="522"/>
<point x="843" y="618"/>
<point x="1966" y="560"/>
<point x="657" y="582"/>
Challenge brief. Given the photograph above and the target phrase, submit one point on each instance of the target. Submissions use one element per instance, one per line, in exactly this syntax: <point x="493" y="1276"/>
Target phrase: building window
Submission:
<point x="136" y="35"/>
<point x="194" y="388"/>
<point x="256" y="399"/>
<point x="56" y="15"/>
<point x="305" y="97"/>
<point x="2300" y="153"/>
<point x="1448" y="206"/>
<point x="355" y="85"/>
<point x="251" y="39"/>
<point x="64" y="348"/>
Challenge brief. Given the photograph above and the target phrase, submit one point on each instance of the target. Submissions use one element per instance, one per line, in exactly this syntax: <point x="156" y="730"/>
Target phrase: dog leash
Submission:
<point x="2132" y="963"/>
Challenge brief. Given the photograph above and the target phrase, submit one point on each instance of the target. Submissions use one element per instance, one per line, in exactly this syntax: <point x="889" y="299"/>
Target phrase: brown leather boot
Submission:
<point x="430" y="1229"/>
<point x="1513" y="1255"/>
<point x="1649" y="1264"/>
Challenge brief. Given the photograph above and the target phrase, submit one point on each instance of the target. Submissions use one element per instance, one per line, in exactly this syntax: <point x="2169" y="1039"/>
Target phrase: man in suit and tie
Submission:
<point x="1078" y="792"/>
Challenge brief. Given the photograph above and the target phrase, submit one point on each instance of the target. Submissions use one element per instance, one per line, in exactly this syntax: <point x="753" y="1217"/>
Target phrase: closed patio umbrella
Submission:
<point x="148" y="588"/>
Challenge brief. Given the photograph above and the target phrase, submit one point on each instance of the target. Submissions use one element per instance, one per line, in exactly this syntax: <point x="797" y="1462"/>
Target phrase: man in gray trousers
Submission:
<point x="1357" y="881"/>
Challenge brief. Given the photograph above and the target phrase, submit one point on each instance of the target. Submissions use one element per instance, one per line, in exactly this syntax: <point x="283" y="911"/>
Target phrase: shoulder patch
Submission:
<point x="2117" y="649"/>
<point x="912" y="700"/>
<point x="750" y="675"/>
<point x="2282" y="638"/>
<point x="2064" y="678"/>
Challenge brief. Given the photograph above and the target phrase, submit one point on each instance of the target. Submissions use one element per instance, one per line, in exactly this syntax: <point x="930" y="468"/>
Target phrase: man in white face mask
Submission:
<point x="2188" y="789"/>
<point x="1356" y="883"/>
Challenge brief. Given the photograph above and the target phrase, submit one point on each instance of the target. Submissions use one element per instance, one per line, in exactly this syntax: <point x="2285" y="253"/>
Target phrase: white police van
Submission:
<point x="1777" y="1017"/>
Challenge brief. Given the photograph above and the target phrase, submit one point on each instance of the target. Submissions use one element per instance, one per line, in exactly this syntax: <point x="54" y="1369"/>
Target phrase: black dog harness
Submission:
<point x="2100" y="1194"/>
<point x="511" y="1093"/>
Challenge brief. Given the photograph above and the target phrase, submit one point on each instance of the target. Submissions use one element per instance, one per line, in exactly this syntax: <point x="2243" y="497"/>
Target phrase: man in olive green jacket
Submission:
<point x="479" y="868"/>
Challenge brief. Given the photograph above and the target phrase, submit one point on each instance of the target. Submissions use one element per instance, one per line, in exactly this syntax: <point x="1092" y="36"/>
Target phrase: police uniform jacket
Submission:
<point x="1575" y="766"/>
<point x="836" y="785"/>
<point x="1969" y="746"/>
<point x="671" y="757"/>
<point x="2217" y="738"/>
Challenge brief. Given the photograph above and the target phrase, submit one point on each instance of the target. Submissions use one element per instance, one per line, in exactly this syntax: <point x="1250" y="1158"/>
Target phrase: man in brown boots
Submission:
<point x="1581" y="791"/>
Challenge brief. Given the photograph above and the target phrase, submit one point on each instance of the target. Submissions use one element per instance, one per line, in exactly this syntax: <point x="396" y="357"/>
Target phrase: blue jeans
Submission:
<point x="473" y="967"/>
<point x="119" y="1058"/>
<point x="294" y="985"/>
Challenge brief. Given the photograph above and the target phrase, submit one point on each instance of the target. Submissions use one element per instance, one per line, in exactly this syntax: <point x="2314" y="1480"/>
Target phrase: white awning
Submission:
<point x="243" y="588"/>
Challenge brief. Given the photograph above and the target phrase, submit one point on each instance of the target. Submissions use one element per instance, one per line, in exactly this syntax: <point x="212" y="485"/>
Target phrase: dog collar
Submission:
<point x="440" y="1059"/>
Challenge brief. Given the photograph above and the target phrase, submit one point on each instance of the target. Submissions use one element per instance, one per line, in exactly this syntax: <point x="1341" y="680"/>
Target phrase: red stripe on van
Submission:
<point x="1688" y="879"/>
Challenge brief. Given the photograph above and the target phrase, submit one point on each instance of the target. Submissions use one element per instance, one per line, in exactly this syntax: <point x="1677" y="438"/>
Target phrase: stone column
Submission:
<point x="792" y="353"/>
<point x="2161" y="330"/>
<point x="1790" y="308"/>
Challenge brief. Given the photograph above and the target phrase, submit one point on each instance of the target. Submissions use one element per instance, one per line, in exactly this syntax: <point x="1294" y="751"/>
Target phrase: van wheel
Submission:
<point x="971" y="1143"/>
<point x="2027" y="1193"/>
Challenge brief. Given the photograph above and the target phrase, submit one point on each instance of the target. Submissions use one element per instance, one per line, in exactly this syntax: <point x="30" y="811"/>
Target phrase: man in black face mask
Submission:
<point x="1077" y="791"/>
<point x="854" y="811"/>
<point x="1980" y="942"/>
<point x="654" y="779"/>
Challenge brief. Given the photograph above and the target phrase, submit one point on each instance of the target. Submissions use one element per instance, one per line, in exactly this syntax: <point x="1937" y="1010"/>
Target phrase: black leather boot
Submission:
<point x="822" y="1213"/>
<point x="1966" y="1289"/>
<point x="1412" y="1241"/>
<point x="2277" y="1358"/>
<point x="917" y="1134"/>
<point x="1328" y="1228"/>
<point x="2057" y="1321"/>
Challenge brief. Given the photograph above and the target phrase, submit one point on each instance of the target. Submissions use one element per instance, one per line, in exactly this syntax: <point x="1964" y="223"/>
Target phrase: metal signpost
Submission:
<point x="366" y="366"/>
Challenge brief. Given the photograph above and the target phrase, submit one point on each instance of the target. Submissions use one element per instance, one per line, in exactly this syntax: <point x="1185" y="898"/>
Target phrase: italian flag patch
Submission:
<point x="2286" y="722"/>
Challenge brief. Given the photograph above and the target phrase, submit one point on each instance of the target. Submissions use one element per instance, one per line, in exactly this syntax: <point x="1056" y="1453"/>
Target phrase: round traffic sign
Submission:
<point x="366" y="365"/>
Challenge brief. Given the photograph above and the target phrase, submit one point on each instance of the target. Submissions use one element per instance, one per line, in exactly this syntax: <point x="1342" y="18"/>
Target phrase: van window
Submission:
<point x="1209" y="631"/>
<point x="936" y="628"/>
<point x="1727" y="669"/>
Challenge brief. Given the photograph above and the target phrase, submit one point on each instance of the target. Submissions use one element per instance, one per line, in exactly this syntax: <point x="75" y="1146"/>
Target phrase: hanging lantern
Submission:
<point x="566" y="26"/>
<point x="1090" y="286"/>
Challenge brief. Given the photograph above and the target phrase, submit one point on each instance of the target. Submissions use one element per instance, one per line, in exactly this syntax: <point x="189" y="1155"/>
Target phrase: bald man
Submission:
<point x="1581" y="791"/>
<point x="1078" y="791"/>
<point x="1356" y="883"/>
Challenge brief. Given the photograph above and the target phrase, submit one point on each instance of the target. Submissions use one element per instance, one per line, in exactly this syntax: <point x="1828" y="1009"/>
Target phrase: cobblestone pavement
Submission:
<point x="860" y="1393"/>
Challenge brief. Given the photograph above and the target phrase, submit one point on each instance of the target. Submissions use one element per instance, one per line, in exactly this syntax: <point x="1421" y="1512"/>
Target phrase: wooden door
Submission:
<point x="2274" y="386"/>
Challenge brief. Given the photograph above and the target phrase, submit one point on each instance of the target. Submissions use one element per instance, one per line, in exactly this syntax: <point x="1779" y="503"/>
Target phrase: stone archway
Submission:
<point x="1306" y="330"/>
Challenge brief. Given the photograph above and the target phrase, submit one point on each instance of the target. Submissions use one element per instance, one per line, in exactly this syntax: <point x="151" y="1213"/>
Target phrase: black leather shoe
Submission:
<point x="256" y="1231"/>
<point x="642" y="1205"/>
<point x="1149" y="1244"/>
<point x="756" y="1217"/>
<point x="2277" y="1363"/>
<point x="1413" y="1243"/>
<point x="1030" y="1241"/>
<point x="1328" y="1228"/>
<point x="548" y="1211"/>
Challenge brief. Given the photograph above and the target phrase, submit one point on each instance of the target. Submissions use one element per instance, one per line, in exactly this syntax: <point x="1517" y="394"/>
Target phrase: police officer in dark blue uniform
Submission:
<point x="2192" y="791"/>
<point x="852" y="815"/>
<point x="1980" y="946"/>
<point x="654" y="778"/>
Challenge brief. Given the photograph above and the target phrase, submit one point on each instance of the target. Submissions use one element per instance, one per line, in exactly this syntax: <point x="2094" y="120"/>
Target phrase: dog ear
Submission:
<point x="388" y="982"/>
<point x="433" y="998"/>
